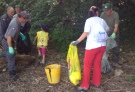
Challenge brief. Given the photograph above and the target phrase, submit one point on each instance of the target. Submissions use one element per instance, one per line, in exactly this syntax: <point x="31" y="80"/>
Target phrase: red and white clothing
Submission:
<point x="89" y="27"/>
<point x="94" y="52"/>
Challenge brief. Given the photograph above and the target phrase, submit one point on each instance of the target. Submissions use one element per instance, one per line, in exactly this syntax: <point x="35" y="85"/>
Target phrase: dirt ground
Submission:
<point x="32" y="77"/>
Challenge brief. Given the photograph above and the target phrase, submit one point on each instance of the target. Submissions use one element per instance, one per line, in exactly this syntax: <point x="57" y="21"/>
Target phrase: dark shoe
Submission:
<point x="97" y="86"/>
<point x="39" y="55"/>
<point x="82" y="89"/>
<point x="117" y="65"/>
<point x="13" y="76"/>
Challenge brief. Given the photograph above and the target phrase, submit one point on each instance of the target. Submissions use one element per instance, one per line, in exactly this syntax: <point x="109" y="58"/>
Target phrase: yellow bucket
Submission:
<point x="53" y="73"/>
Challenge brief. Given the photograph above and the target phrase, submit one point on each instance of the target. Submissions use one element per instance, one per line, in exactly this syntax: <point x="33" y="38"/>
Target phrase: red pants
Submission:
<point x="92" y="59"/>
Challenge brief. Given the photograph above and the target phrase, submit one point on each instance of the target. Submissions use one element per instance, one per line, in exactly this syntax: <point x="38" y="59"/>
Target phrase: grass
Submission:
<point x="130" y="78"/>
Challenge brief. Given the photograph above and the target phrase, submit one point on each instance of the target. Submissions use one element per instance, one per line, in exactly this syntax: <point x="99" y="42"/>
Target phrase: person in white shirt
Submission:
<point x="95" y="30"/>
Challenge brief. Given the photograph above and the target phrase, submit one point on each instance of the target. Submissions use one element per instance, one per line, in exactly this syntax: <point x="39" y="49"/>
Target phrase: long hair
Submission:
<point x="92" y="11"/>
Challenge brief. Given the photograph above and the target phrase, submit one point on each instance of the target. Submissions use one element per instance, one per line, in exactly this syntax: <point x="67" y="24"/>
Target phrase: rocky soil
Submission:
<point x="32" y="77"/>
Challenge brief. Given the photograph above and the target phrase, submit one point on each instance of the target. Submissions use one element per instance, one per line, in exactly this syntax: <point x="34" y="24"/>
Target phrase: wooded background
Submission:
<point x="66" y="19"/>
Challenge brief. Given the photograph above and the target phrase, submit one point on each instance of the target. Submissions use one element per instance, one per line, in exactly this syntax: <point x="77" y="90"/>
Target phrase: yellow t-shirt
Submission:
<point x="42" y="40"/>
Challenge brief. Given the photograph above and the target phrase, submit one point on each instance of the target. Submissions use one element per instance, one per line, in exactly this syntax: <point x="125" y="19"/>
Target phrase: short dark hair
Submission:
<point x="92" y="11"/>
<point x="44" y="27"/>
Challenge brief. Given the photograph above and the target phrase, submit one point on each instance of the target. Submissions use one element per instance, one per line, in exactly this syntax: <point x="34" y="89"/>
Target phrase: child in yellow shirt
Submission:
<point x="42" y="42"/>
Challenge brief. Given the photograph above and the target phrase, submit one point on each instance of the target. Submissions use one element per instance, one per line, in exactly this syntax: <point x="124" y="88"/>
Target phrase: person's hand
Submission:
<point x="11" y="50"/>
<point x="22" y="36"/>
<point x="74" y="43"/>
<point x="113" y="36"/>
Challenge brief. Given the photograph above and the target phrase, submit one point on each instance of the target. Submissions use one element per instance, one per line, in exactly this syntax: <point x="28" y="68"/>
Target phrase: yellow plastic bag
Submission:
<point x="73" y="65"/>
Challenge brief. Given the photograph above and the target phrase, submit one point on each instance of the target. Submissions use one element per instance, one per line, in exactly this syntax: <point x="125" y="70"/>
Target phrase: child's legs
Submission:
<point x="43" y="50"/>
<point x="39" y="50"/>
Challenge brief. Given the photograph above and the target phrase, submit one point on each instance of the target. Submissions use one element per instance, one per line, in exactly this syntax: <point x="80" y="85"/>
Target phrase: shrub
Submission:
<point x="61" y="37"/>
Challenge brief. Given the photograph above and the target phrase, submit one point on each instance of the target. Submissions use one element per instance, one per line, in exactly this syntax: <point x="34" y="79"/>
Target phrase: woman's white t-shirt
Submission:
<point x="89" y="27"/>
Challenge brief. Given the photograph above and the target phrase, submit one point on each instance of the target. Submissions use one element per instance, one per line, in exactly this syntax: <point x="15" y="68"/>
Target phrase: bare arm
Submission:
<point x="35" y="38"/>
<point x="47" y="38"/>
<point x="115" y="28"/>
<point x="116" y="17"/>
<point x="82" y="37"/>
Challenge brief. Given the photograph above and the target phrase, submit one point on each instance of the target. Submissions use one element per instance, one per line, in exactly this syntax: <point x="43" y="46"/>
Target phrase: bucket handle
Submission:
<point x="49" y="73"/>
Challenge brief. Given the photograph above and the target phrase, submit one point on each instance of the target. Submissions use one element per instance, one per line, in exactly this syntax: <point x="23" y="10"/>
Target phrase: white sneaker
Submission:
<point x="82" y="89"/>
<point x="42" y="62"/>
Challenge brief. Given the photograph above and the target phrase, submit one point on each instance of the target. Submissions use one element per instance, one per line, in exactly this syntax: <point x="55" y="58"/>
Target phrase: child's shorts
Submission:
<point x="42" y="50"/>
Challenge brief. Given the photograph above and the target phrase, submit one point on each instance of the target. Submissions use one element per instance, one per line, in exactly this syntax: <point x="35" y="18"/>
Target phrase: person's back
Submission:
<point x="95" y="24"/>
<point x="42" y="40"/>
<point x="93" y="52"/>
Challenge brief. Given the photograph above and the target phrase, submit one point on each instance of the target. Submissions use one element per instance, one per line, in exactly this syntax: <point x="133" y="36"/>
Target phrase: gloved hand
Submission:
<point x="11" y="50"/>
<point x="113" y="36"/>
<point x="74" y="43"/>
<point x="22" y="36"/>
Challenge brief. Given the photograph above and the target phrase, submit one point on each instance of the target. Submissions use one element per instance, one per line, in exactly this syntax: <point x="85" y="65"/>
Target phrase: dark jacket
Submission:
<point x="24" y="46"/>
<point x="4" y="22"/>
<point x="26" y="28"/>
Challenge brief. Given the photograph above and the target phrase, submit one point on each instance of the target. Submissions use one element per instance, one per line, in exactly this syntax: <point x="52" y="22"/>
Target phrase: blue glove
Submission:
<point x="74" y="43"/>
<point x="11" y="50"/>
<point x="22" y="36"/>
<point x="113" y="36"/>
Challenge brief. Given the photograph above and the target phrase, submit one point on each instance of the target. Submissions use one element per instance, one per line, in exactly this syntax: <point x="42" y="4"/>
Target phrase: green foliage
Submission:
<point x="73" y="13"/>
<point x="59" y="15"/>
<point x="127" y="21"/>
<point x="62" y="36"/>
<point x="130" y="79"/>
<point x="2" y="7"/>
